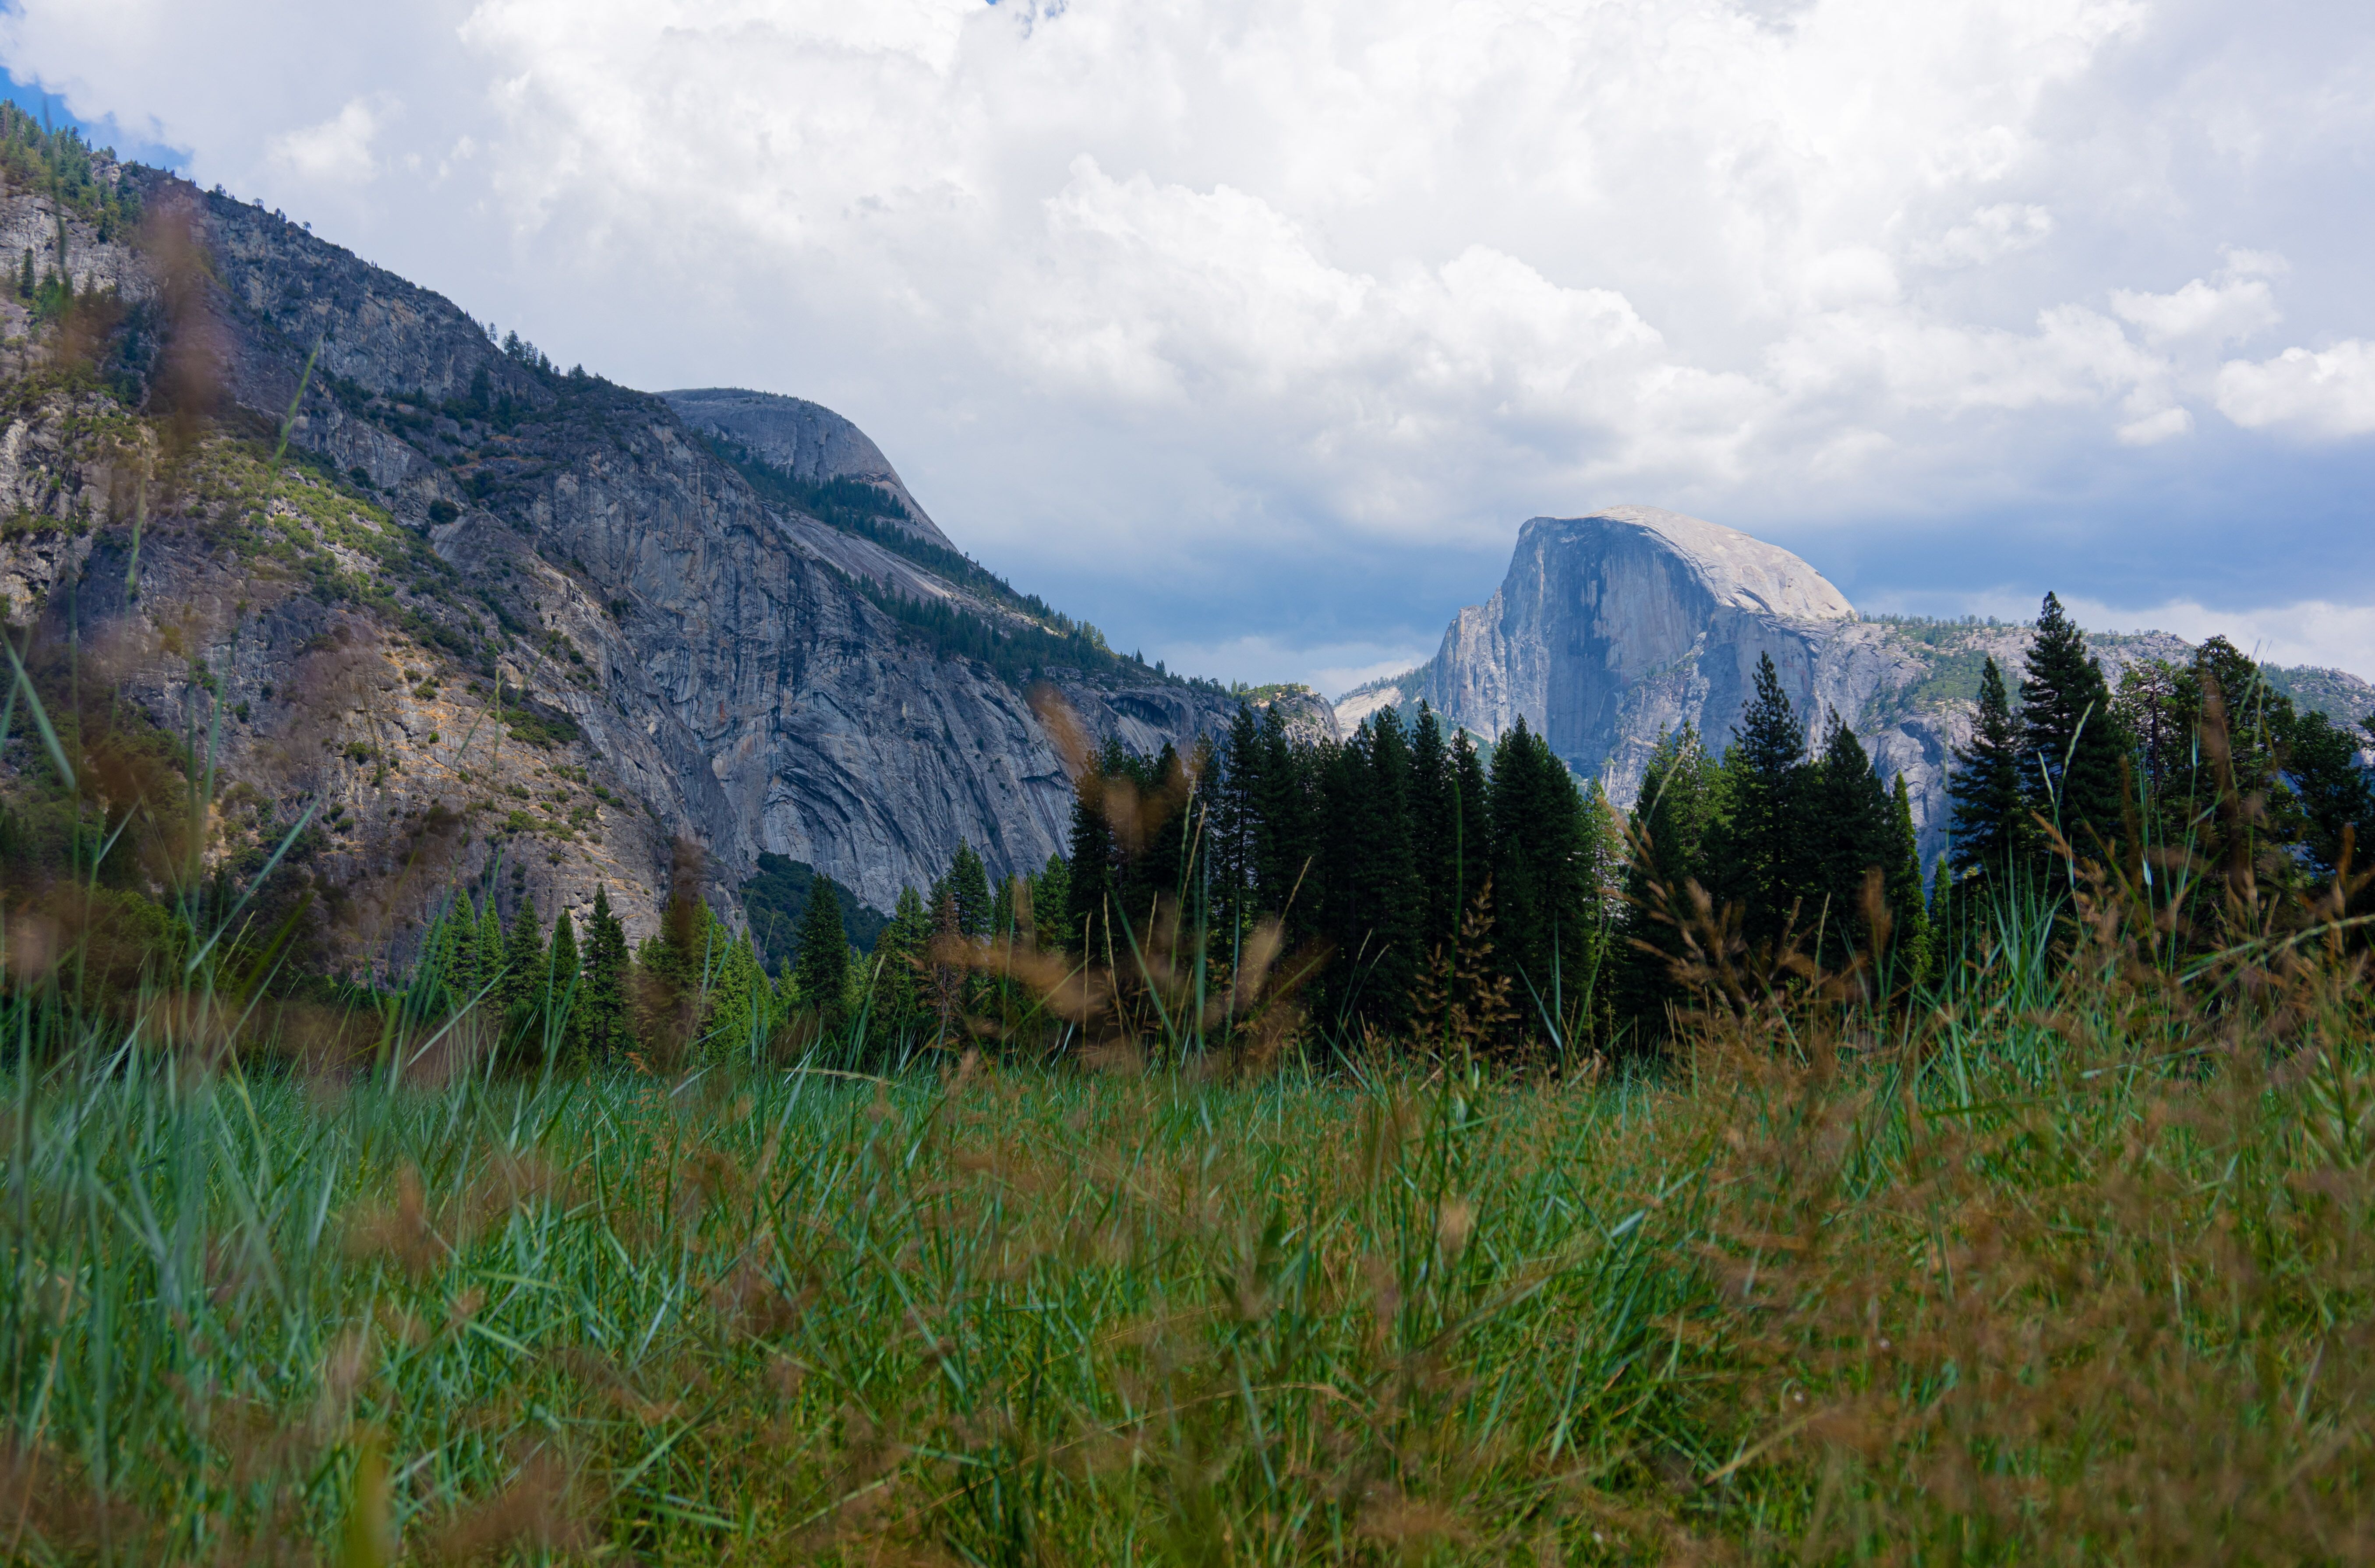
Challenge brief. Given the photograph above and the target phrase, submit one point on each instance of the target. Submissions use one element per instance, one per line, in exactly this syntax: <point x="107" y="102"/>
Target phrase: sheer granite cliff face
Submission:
<point x="1614" y="630"/>
<point x="471" y="522"/>
<point x="806" y="440"/>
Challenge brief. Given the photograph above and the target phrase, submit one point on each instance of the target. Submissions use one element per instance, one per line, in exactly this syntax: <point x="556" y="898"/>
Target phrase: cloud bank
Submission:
<point x="1254" y="332"/>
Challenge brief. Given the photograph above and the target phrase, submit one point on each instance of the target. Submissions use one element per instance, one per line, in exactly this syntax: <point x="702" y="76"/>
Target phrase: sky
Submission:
<point x="1253" y="332"/>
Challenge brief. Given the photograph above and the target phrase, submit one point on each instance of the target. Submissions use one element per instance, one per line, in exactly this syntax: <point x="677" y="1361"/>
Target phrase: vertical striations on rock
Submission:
<point x="1612" y="629"/>
<point x="485" y="613"/>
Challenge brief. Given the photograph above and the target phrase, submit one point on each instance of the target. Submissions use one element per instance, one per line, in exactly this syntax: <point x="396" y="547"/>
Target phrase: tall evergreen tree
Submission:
<point x="523" y="963"/>
<point x="740" y="1001"/>
<point x="1393" y="899"/>
<point x="1051" y="905"/>
<point x="1347" y="821"/>
<point x="2071" y="746"/>
<point x="1003" y="908"/>
<point x="1287" y="834"/>
<point x="822" y="973"/>
<point x="1989" y="828"/>
<point x="564" y="987"/>
<point x="1761" y="863"/>
<point x="460" y="950"/>
<point x="1237" y="824"/>
<point x="1434" y="830"/>
<point x="1907" y="905"/>
<point x="491" y="953"/>
<point x="1671" y="821"/>
<point x="603" y="996"/>
<point x="1545" y="916"/>
<point x="1090" y="889"/>
<point x="1166" y="824"/>
<point x="1848" y="831"/>
<point x="899" y="952"/>
<point x="1472" y="849"/>
<point x="2336" y="794"/>
<point x="969" y="880"/>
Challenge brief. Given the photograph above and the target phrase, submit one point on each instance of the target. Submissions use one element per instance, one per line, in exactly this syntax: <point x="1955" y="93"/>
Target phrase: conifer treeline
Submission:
<point x="1380" y="849"/>
<point x="2202" y="771"/>
<point x="1373" y="849"/>
<point x="1413" y="865"/>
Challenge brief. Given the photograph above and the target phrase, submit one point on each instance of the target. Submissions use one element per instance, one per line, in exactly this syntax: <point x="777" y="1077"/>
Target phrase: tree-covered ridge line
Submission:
<point x="1951" y="651"/>
<point x="2204" y="764"/>
<point x="60" y="165"/>
<point x="775" y="905"/>
<point x="1017" y="653"/>
<point x="872" y="513"/>
<point x="1432" y="894"/>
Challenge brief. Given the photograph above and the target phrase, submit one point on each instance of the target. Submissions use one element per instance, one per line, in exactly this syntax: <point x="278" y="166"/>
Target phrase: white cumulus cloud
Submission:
<point x="338" y="149"/>
<point x="2328" y="393"/>
<point x="1167" y="305"/>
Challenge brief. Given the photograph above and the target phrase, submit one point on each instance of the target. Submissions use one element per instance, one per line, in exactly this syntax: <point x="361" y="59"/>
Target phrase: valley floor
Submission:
<point x="2063" y="1269"/>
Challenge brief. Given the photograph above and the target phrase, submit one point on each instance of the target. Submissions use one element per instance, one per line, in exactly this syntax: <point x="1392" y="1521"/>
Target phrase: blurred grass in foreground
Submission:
<point x="2069" y="1263"/>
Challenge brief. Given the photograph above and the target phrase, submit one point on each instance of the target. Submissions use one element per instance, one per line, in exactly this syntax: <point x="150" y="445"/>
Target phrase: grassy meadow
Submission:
<point x="2065" y="1260"/>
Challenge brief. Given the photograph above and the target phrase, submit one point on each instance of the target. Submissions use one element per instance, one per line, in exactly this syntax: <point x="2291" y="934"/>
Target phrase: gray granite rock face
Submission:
<point x="1613" y="631"/>
<point x="806" y="440"/>
<point x="725" y="678"/>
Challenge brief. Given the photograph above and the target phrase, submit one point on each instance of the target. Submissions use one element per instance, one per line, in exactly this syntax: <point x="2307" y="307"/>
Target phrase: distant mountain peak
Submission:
<point x="1734" y="568"/>
<point x="806" y="440"/>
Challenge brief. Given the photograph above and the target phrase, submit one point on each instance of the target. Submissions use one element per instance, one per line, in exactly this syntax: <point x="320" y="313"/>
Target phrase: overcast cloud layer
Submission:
<point x="1253" y="331"/>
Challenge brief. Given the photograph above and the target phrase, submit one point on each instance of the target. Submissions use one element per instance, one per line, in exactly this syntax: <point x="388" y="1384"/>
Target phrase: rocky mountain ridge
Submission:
<point x="1611" y="629"/>
<point x="481" y="609"/>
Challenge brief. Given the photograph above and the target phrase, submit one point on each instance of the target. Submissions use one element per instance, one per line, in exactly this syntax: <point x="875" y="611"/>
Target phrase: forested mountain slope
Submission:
<point x="452" y="522"/>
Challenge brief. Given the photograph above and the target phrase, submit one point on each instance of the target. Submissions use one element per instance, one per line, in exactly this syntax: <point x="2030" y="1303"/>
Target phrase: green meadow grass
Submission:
<point x="2069" y="1264"/>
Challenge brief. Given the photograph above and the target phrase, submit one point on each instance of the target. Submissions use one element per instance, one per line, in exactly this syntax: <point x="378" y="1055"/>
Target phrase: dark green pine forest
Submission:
<point x="1407" y="892"/>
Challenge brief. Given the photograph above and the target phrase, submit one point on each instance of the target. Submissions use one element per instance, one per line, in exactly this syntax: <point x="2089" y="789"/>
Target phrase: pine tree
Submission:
<point x="602" y="1000"/>
<point x="1236" y="825"/>
<point x="2071" y="746"/>
<point x="1472" y="849"/>
<point x="563" y="988"/>
<point x="1907" y="906"/>
<point x="1761" y="860"/>
<point x="1543" y="904"/>
<point x="1434" y="830"/>
<point x="2244" y="790"/>
<point x="1672" y="822"/>
<point x="899" y="952"/>
<point x="1090" y="893"/>
<point x="2336" y="794"/>
<point x="523" y="964"/>
<point x="1393" y="902"/>
<point x="1287" y="835"/>
<point x="1167" y="825"/>
<point x="1051" y="905"/>
<point x="1346" y="820"/>
<point x="491" y="953"/>
<point x="1989" y="830"/>
<point x="1003" y="906"/>
<point x="822" y="975"/>
<point x="742" y="1002"/>
<point x="943" y="982"/>
<point x="464" y="972"/>
<point x="969" y="880"/>
<point x="1849" y="832"/>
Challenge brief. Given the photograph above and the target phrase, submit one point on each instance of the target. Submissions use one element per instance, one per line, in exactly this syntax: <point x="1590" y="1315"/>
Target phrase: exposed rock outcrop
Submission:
<point x="456" y="522"/>
<point x="806" y="440"/>
<point x="1613" y="630"/>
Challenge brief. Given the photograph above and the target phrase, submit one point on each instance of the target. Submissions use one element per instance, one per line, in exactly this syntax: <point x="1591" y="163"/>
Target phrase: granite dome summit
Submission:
<point x="1614" y="628"/>
<point x="462" y="605"/>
